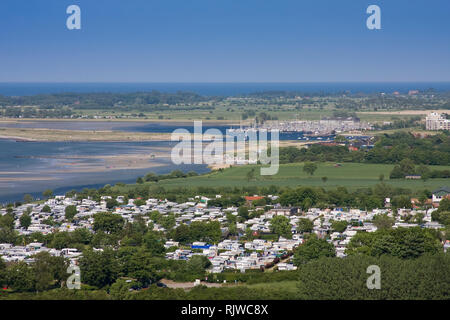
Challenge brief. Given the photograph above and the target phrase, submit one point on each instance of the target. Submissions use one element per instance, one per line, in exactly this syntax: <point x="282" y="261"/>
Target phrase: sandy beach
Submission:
<point x="56" y="135"/>
<point x="79" y="135"/>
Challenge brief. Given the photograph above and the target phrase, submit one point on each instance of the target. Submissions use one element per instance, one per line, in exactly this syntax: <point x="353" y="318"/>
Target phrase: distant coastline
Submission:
<point x="216" y="88"/>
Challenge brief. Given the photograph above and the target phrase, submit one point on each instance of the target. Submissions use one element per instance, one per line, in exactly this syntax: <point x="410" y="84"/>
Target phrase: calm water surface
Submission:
<point x="32" y="167"/>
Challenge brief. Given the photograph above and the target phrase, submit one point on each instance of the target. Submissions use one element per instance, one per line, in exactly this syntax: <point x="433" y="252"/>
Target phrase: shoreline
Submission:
<point x="57" y="135"/>
<point x="210" y="121"/>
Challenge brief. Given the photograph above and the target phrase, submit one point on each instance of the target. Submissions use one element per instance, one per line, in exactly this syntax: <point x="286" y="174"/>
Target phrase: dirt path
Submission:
<point x="188" y="285"/>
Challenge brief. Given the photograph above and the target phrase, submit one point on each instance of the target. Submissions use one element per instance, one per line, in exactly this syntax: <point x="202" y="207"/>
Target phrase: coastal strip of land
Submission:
<point x="55" y="135"/>
<point x="58" y="135"/>
<point x="136" y="120"/>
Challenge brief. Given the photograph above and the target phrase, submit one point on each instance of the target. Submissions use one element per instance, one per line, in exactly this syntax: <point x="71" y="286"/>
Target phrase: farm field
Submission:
<point x="349" y="175"/>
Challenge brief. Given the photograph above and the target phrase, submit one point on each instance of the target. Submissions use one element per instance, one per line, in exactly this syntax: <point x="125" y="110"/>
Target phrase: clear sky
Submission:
<point x="224" y="41"/>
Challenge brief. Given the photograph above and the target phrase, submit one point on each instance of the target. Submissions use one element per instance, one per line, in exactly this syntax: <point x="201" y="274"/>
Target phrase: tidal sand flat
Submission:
<point x="32" y="167"/>
<point x="78" y="135"/>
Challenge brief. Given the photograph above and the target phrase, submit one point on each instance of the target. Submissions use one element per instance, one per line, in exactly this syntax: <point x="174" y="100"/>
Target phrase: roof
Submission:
<point x="442" y="190"/>
<point x="247" y="198"/>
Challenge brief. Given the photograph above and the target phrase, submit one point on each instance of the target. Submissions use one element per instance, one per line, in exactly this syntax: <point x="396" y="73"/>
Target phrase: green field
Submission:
<point x="235" y="114"/>
<point x="350" y="175"/>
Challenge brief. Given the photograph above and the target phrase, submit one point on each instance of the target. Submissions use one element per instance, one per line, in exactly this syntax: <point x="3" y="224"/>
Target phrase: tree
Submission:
<point x="442" y="217"/>
<point x="181" y="234"/>
<point x="120" y="289"/>
<point x="49" y="271"/>
<point x="7" y="221"/>
<point x="47" y="209"/>
<point x="407" y="166"/>
<point x="423" y="171"/>
<point x="281" y="226"/>
<point x="205" y="231"/>
<point x="345" y="279"/>
<point x="324" y="179"/>
<point x="108" y="222"/>
<point x="7" y="232"/>
<point x="81" y="235"/>
<point x="139" y="180"/>
<point x="99" y="269"/>
<point x="444" y="205"/>
<point x="28" y="198"/>
<point x="139" y="264"/>
<point x="153" y="243"/>
<point x="383" y="221"/>
<point x="61" y="240"/>
<point x="139" y="202"/>
<point x="404" y="168"/>
<point x="20" y="276"/>
<point x="197" y="265"/>
<point x="70" y="212"/>
<point x="423" y="198"/>
<point x="306" y="204"/>
<point x="298" y="196"/>
<point x="232" y="229"/>
<point x="168" y="221"/>
<point x="151" y="177"/>
<point x="310" y="168"/>
<point x="8" y="235"/>
<point x="404" y="243"/>
<point x="397" y="173"/>
<point x="305" y="225"/>
<point x="371" y="202"/>
<point x="111" y="203"/>
<point x="243" y="212"/>
<point x="155" y="216"/>
<point x="2" y="273"/>
<point x="25" y="220"/>
<point x="381" y="177"/>
<point x="419" y="217"/>
<point x="313" y="248"/>
<point x="339" y="226"/>
<point x="401" y="202"/>
<point x="47" y="193"/>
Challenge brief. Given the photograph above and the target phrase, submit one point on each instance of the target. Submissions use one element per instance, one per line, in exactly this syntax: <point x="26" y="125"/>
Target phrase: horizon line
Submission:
<point x="221" y="82"/>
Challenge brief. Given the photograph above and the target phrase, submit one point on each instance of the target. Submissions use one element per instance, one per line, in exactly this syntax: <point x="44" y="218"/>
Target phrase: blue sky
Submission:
<point x="224" y="41"/>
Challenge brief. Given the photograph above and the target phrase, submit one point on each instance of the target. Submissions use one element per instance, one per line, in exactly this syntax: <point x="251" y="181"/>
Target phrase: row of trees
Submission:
<point x="388" y="149"/>
<point x="209" y="232"/>
<point x="104" y="100"/>
<point x="175" y="174"/>
<point x="45" y="273"/>
<point x="325" y="278"/>
<point x="233" y="196"/>
<point x="406" y="167"/>
<point x="404" y="243"/>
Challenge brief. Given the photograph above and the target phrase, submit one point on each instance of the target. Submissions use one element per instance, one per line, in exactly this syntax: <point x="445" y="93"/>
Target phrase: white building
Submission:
<point x="436" y="121"/>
